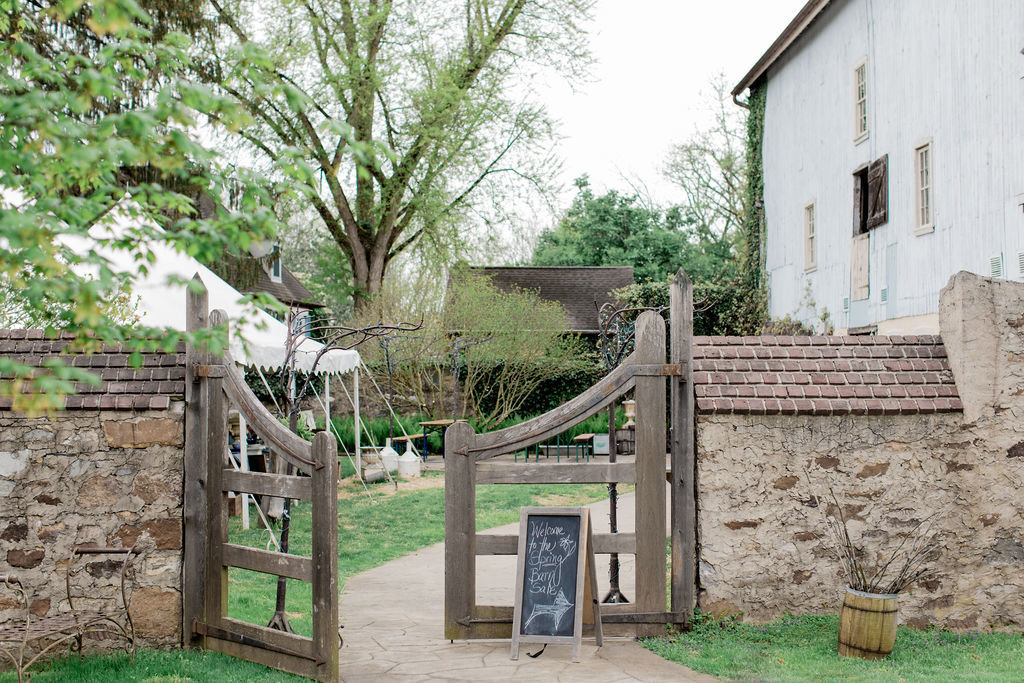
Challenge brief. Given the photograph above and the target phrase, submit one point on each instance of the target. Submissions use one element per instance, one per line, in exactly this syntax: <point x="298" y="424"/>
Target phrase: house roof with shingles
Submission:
<point x="288" y="291"/>
<point x="152" y="386"/>
<point x="580" y="289"/>
<point x="855" y="375"/>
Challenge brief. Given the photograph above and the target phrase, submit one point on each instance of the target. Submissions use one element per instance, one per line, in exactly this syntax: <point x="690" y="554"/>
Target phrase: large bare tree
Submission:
<point x="710" y="167"/>
<point x="397" y="117"/>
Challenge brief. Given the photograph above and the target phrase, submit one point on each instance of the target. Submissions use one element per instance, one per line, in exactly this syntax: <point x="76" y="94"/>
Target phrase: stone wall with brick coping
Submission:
<point x="96" y="478"/>
<point x="958" y="457"/>
<point x="107" y="472"/>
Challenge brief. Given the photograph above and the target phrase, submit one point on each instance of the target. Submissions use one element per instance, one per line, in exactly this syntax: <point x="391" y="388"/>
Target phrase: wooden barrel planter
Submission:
<point x="867" y="624"/>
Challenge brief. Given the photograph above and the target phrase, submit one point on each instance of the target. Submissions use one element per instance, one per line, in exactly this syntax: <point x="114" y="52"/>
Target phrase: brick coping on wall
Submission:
<point x="766" y="375"/>
<point x="823" y="375"/>
<point x="152" y="386"/>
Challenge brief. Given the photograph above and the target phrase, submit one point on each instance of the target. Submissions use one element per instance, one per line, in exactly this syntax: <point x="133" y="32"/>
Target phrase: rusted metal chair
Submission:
<point x="25" y="641"/>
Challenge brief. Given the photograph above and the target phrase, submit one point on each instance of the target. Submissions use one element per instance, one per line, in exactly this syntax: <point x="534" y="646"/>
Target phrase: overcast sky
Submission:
<point x="656" y="59"/>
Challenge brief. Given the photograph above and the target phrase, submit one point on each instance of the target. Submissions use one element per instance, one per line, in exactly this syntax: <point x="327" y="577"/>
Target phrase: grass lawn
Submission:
<point x="378" y="527"/>
<point x="153" y="666"/>
<point x="372" y="529"/>
<point x="804" y="648"/>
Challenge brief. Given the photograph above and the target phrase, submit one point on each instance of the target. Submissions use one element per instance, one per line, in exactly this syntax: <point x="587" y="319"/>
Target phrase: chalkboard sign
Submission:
<point x="555" y="580"/>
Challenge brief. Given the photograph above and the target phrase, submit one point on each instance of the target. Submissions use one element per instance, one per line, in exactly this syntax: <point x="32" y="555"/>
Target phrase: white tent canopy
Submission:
<point x="257" y="338"/>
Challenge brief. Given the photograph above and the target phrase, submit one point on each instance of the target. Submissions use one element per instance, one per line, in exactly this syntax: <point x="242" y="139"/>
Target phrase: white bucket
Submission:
<point x="408" y="463"/>
<point x="389" y="457"/>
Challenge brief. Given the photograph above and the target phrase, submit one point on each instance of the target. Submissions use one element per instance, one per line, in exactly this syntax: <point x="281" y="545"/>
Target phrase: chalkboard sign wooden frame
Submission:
<point x="585" y="606"/>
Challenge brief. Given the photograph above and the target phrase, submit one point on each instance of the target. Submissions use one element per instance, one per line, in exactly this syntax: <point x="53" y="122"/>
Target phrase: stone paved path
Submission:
<point x="393" y="626"/>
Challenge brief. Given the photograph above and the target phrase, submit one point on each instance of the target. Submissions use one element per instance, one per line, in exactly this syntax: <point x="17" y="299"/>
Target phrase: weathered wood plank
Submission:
<point x="289" y="641"/>
<point x="650" y="470"/>
<point x="274" y="660"/>
<point x="194" y="522"/>
<point x="325" y="555"/>
<point x="264" y="484"/>
<point x="684" y="505"/>
<point x="490" y="621"/>
<point x="515" y="438"/>
<point x="268" y="562"/>
<point x="517" y="600"/>
<point x="460" y="530"/>
<point x="616" y="383"/>
<point x="216" y="498"/>
<point x="507" y="544"/>
<point x="555" y="473"/>
<point x="622" y="543"/>
<point x="645" y="618"/>
<point x="290" y="446"/>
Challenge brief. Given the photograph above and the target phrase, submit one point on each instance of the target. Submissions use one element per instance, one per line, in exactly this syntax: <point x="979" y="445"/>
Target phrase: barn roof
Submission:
<point x="580" y="289"/>
<point x="807" y="14"/>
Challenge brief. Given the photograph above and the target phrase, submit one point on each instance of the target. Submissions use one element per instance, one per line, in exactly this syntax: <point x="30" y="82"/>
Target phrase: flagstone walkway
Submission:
<point x="393" y="618"/>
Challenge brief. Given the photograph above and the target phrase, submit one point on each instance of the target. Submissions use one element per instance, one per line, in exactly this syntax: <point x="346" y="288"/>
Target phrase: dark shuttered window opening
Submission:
<point x="871" y="195"/>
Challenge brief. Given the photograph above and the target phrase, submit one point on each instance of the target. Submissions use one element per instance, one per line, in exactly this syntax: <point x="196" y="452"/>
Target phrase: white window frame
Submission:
<point x="810" y="237"/>
<point x="924" y="185"/>
<point x="861" y="126"/>
<point x="274" y="269"/>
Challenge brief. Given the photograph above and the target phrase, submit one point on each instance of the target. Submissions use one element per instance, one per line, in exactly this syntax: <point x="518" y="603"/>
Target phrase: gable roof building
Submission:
<point x="261" y="270"/>
<point x="892" y="155"/>
<point x="287" y="289"/>
<point x="580" y="289"/>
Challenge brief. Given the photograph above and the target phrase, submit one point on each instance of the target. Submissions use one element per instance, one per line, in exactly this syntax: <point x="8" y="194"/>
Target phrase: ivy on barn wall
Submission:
<point x="753" y="281"/>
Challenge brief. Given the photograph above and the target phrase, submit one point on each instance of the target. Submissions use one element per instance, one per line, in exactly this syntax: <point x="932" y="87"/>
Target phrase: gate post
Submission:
<point x="459" y="530"/>
<point x="194" y="522"/>
<point x="216" y="408"/>
<point x="325" y="555"/>
<point x="684" y="504"/>
<point x="650" y="472"/>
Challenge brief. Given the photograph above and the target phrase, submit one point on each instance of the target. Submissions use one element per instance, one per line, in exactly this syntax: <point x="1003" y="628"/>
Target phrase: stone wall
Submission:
<point x="763" y="547"/>
<point x="105" y="478"/>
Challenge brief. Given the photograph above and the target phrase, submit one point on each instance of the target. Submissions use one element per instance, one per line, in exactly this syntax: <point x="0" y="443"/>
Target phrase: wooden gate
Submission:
<point x="644" y="371"/>
<point x="210" y="383"/>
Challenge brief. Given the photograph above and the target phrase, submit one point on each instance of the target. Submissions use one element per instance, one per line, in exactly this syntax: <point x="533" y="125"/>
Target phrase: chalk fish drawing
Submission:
<point x="556" y="611"/>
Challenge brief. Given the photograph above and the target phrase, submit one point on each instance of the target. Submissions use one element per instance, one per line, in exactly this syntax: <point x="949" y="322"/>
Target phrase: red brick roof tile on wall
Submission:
<point x="858" y="375"/>
<point x="150" y="387"/>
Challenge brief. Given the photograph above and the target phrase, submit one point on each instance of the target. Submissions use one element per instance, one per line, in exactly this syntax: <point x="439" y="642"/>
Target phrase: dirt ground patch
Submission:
<point x="349" y="487"/>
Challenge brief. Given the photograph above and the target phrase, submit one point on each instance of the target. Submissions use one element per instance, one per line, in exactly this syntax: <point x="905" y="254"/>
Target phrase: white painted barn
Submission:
<point x="893" y="156"/>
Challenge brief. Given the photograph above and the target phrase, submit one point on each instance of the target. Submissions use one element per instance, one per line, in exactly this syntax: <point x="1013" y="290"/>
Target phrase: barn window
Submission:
<point x="923" y="189"/>
<point x="860" y="98"/>
<point x="810" y="239"/>
<point x="871" y="195"/>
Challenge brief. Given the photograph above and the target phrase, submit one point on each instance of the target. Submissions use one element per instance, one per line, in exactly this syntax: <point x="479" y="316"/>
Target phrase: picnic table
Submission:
<point x="435" y="426"/>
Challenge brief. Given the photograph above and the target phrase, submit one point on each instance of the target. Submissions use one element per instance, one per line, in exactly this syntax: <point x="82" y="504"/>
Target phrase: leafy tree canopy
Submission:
<point x="509" y="342"/>
<point x="616" y="229"/>
<point x="94" y="108"/>
<point x="431" y="89"/>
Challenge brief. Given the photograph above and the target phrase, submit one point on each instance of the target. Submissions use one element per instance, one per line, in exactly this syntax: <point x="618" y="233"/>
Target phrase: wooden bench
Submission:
<point x="24" y="641"/>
